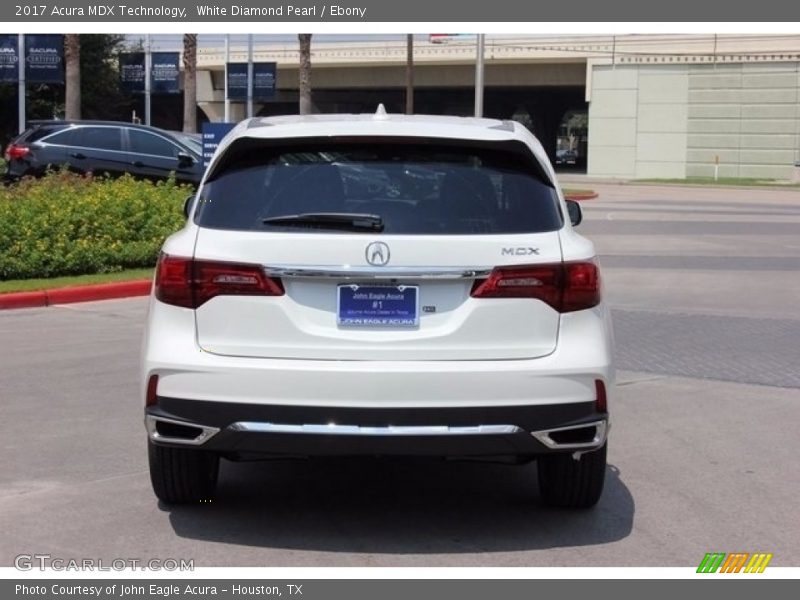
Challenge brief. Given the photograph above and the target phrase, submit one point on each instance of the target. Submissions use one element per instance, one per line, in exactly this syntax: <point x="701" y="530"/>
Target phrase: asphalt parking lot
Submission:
<point x="702" y="457"/>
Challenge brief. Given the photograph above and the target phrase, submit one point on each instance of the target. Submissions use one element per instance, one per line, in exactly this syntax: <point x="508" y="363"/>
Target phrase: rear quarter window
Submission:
<point x="415" y="189"/>
<point x="37" y="133"/>
<point x="65" y="137"/>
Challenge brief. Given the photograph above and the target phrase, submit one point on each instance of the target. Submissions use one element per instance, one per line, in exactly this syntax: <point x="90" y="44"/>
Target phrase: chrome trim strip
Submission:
<point x="206" y="431"/>
<point x="390" y="430"/>
<point x="601" y="432"/>
<point x="348" y="272"/>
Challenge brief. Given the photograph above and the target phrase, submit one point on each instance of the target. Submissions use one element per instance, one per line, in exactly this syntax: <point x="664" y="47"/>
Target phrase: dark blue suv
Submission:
<point x="104" y="147"/>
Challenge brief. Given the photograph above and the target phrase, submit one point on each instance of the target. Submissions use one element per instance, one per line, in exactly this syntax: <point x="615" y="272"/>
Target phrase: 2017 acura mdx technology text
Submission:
<point x="378" y="285"/>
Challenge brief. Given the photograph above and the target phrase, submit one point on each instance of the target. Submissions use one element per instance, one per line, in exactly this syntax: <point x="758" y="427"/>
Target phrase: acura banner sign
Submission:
<point x="44" y="58"/>
<point x="264" y="79"/>
<point x="165" y="73"/>
<point x="131" y="71"/>
<point x="9" y="61"/>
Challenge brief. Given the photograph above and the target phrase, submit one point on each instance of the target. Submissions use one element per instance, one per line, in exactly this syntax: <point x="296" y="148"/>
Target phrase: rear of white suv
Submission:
<point x="380" y="285"/>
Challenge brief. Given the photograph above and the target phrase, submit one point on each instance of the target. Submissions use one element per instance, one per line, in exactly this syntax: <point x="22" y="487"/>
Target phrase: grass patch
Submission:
<point x="32" y="285"/>
<point x="723" y="181"/>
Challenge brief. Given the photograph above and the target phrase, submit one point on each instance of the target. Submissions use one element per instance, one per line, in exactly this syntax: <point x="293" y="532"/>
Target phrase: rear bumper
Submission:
<point x="247" y="430"/>
<point x="290" y="403"/>
<point x="567" y="375"/>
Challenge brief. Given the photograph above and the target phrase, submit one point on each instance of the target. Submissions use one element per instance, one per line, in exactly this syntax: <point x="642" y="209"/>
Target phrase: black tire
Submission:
<point x="182" y="475"/>
<point x="568" y="483"/>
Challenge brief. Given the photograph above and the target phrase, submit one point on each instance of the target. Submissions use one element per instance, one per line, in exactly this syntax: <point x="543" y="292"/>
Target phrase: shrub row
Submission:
<point x="68" y="224"/>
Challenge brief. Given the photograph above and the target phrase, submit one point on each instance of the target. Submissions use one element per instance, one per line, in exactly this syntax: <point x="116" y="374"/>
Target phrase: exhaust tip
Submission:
<point x="585" y="436"/>
<point x="161" y="429"/>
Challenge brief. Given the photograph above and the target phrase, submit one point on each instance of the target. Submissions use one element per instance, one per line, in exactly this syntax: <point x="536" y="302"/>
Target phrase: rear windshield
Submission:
<point x="37" y="132"/>
<point x="413" y="189"/>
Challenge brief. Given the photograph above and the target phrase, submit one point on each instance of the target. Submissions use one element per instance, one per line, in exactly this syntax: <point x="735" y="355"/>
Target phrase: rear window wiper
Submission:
<point x="346" y="221"/>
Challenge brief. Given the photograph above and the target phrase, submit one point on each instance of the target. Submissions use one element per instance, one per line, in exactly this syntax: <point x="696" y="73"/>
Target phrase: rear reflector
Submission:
<point x="16" y="152"/>
<point x="190" y="283"/>
<point x="152" y="384"/>
<point x="566" y="287"/>
<point x="601" y="404"/>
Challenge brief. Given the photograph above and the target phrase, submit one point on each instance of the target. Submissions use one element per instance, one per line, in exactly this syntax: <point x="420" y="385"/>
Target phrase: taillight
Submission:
<point x="151" y="399"/>
<point x="566" y="287"/>
<point x="601" y="399"/>
<point x="190" y="283"/>
<point x="581" y="286"/>
<point x="16" y="152"/>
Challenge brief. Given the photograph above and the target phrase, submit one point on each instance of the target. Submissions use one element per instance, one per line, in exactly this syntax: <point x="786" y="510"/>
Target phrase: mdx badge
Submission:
<point x="377" y="254"/>
<point x="519" y="251"/>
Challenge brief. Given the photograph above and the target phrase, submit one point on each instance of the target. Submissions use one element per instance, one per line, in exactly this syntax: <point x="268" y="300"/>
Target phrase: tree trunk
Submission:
<point x="410" y="74"/>
<point x="72" y="95"/>
<point x="190" y="82"/>
<point x="305" y="73"/>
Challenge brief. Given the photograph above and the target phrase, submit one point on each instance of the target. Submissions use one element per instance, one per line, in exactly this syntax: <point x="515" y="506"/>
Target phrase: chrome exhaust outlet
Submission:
<point x="598" y="439"/>
<point x="204" y="432"/>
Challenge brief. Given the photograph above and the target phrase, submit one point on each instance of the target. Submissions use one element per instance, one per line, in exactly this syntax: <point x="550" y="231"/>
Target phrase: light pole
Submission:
<point x="250" y="76"/>
<point x="227" y="60"/>
<point x="148" y="66"/>
<point x="21" y="81"/>
<point x="479" y="77"/>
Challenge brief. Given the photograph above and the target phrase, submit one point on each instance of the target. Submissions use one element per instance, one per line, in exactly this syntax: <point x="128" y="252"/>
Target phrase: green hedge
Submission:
<point x="68" y="224"/>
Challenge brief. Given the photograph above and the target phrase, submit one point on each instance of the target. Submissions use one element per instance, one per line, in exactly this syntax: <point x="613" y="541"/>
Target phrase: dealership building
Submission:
<point x="633" y="106"/>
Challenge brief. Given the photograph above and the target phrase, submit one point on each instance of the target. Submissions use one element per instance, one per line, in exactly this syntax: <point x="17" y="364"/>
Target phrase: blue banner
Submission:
<point x="9" y="61"/>
<point x="44" y="58"/>
<point x="131" y="71"/>
<point x="237" y="81"/>
<point x="264" y="81"/>
<point x="212" y="136"/>
<point x="165" y="73"/>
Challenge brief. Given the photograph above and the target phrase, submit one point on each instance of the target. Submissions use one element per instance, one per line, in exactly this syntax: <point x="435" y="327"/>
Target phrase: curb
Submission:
<point x="789" y="187"/>
<point x="581" y="197"/>
<point x="68" y="295"/>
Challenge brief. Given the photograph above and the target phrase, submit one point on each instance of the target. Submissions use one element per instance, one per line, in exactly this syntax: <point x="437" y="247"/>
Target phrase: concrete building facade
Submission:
<point x="677" y="121"/>
<point x="658" y="106"/>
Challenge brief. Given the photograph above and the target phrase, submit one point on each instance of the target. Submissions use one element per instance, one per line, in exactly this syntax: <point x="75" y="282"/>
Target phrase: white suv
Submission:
<point x="378" y="285"/>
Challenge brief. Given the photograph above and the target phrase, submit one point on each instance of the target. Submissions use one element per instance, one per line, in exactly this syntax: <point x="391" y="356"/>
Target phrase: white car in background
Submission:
<point x="378" y="285"/>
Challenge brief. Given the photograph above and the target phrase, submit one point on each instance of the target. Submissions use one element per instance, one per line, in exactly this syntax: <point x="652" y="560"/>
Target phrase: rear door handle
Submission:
<point x="138" y="164"/>
<point x="77" y="155"/>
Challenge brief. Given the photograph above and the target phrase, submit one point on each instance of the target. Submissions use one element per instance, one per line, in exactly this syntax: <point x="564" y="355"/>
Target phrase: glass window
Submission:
<point x="66" y="137"/>
<point x="192" y="140"/>
<point x="415" y="189"/>
<point x="100" y="138"/>
<point x="143" y="142"/>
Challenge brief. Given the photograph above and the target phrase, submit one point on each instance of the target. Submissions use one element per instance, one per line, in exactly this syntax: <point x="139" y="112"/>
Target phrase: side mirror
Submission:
<point x="185" y="160"/>
<point x="187" y="205"/>
<point x="575" y="213"/>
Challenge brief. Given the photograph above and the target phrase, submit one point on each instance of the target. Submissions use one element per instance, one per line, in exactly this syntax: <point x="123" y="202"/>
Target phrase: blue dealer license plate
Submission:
<point x="378" y="305"/>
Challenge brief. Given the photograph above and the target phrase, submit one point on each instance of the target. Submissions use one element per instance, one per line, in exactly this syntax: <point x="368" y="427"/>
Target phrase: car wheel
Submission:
<point x="565" y="482"/>
<point x="182" y="475"/>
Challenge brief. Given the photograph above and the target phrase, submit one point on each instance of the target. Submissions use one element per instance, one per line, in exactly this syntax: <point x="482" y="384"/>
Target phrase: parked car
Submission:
<point x="102" y="147"/>
<point x="566" y="157"/>
<point x="459" y="315"/>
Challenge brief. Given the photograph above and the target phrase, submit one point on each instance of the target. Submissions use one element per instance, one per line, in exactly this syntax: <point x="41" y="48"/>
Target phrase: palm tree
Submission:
<point x="190" y="82"/>
<point x="305" y="73"/>
<point x="72" y="94"/>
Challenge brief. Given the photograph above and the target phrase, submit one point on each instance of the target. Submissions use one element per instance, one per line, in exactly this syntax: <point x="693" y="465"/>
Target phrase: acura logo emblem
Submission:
<point x="377" y="254"/>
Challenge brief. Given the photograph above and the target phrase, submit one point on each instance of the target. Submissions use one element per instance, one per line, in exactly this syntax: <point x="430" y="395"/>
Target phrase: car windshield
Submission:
<point x="192" y="141"/>
<point x="413" y="189"/>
